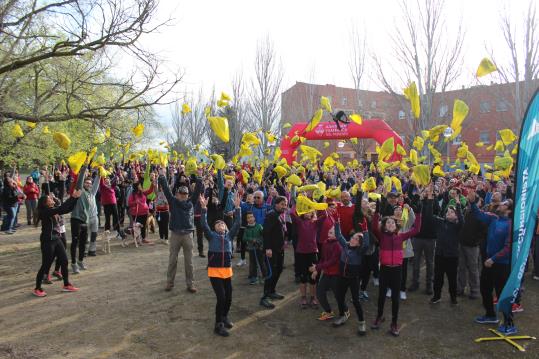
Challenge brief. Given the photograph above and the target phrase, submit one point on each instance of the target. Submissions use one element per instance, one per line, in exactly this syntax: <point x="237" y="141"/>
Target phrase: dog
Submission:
<point x="106" y="237"/>
<point x="137" y="236"/>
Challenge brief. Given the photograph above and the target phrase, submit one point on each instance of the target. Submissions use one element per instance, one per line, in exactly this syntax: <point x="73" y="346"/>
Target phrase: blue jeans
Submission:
<point x="8" y="222"/>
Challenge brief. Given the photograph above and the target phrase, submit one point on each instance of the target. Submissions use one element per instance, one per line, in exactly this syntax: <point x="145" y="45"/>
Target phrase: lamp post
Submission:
<point x="448" y="132"/>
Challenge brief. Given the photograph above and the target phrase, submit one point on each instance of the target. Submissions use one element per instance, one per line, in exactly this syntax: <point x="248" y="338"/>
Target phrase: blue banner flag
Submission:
<point x="526" y="202"/>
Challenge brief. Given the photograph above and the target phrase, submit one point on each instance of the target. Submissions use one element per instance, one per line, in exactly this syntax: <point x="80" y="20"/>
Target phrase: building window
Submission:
<point x="457" y="140"/>
<point x="403" y="138"/>
<point x="484" y="107"/>
<point x="359" y="103"/>
<point x="344" y="101"/>
<point x="402" y="115"/>
<point x="444" y="110"/>
<point x="373" y="104"/>
<point x="484" y="137"/>
<point x="502" y="105"/>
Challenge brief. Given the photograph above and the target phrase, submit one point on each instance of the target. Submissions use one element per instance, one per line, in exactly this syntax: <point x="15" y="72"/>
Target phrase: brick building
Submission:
<point x="491" y="109"/>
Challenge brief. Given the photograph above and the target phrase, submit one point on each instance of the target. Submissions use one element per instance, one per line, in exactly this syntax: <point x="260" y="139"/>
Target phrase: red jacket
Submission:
<point x="108" y="195"/>
<point x="137" y="203"/>
<point x="31" y="191"/>
<point x="329" y="260"/>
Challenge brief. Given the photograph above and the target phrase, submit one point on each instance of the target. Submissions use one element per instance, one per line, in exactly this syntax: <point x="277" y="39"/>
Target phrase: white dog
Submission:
<point x="137" y="236"/>
<point x="106" y="237"/>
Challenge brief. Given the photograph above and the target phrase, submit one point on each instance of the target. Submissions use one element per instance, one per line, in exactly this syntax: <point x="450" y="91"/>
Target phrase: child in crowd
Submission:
<point x="252" y="237"/>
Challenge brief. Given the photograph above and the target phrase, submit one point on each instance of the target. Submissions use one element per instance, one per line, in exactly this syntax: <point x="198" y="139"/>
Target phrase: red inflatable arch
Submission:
<point x="376" y="129"/>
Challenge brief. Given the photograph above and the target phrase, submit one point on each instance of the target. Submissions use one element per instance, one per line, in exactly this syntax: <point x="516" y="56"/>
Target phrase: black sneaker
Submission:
<point x="227" y="323"/>
<point x="202" y="255"/>
<point x="435" y="300"/>
<point x="221" y="330"/>
<point x="266" y="303"/>
<point x="91" y="254"/>
<point x="276" y="296"/>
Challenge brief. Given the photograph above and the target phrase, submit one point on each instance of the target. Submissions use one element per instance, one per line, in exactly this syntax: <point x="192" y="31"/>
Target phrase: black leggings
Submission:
<point x="240" y="244"/>
<point x="223" y="292"/>
<point x="111" y="210"/>
<point x="162" y="222"/>
<point x="327" y="282"/>
<point x="404" y="274"/>
<point x="79" y="237"/>
<point x="304" y="262"/>
<point x="390" y="277"/>
<point x="369" y="264"/>
<point x="64" y="242"/>
<point x="343" y="283"/>
<point x="49" y="250"/>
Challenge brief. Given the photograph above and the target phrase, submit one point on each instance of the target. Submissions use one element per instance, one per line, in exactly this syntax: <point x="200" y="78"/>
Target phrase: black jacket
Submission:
<point x="447" y="241"/>
<point x="473" y="231"/>
<point x="430" y="209"/>
<point x="50" y="219"/>
<point x="275" y="232"/>
<point x="182" y="219"/>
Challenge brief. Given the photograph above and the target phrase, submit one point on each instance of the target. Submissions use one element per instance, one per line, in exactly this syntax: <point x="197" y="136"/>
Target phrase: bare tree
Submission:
<point x="356" y="64"/>
<point x="427" y="53"/>
<point x="39" y="41"/>
<point x="190" y="129"/>
<point x="266" y="88"/>
<point x="523" y="66"/>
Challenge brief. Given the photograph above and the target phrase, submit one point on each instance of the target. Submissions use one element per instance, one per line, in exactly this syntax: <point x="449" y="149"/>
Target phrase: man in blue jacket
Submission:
<point x="496" y="254"/>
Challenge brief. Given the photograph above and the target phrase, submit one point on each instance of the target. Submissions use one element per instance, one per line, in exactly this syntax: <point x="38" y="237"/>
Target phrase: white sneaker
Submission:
<point x="75" y="268"/>
<point x="376" y="282"/>
<point x="388" y="293"/>
<point x="241" y="263"/>
<point x="403" y="295"/>
<point x="536" y="277"/>
<point x="82" y="266"/>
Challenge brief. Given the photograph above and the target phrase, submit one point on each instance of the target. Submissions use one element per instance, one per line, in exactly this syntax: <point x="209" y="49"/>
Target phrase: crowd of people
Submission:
<point x="340" y="234"/>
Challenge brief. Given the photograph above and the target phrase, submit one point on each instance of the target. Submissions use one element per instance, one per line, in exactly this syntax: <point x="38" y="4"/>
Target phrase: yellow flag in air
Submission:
<point x="138" y="130"/>
<point x="185" y="109"/>
<point x="287" y="125"/>
<point x="280" y="170"/>
<point x="507" y="136"/>
<point x="421" y="175"/>
<point x="412" y="95"/>
<point x="460" y="111"/>
<point x="76" y="161"/>
<point x="437" y="171"/>
<point x="61" y="140"/>
<point x="387" y="148"/>
<point x="219" y="125"/>
<point x="305" y="205"/>
<point x="356" y="118"/>
<point x="369" y="185"/>
<point x="315" y="120"/>
<point x="485" y="67"/>
<point x="16" y="131"/>
<point x="418" y="143"/>
<point x="325" y="104"/>
<point x="218" y="161"/>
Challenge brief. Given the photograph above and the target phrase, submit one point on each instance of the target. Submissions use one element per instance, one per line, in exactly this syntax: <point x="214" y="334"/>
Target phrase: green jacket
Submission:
<point x="252" y="236"/>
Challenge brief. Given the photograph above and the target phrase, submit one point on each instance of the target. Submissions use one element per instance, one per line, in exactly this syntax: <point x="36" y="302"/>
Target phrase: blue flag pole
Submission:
<point x="526" y="203"/>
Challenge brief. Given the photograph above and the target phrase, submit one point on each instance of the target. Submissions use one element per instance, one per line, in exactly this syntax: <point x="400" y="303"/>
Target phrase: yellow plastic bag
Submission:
<point x="308" y="187"/>
<point x="76" y="161"/>
<point x="421" y="175"/>
<point x="485" y="67"/>
<point x="225" y="97"/>
<point x="218" y="161"/>
<point x="31" y="124"/>
<point x="507" y="136"/>
<point x="219" y="125"/>
<point x="103" y="172"/>
<point x="397" y="183"/>
<point x="245" y="176"/>
<point x="305" y="205"/>
<point x="503" y="163"/>
<point x="222" y="103"/>
<point x="61" y="140"/>
<point x="287" y="125"/>
<point x="437" y="171"/>
<point x="388" y="184"/>
<point x="325" y="104"/>
<point x="315" y="120"/>
<point x="418" y="143"/>
<point x="400" y="150"/>
<point x="270" y="137"/>
<point x="16" y="131"/>
<point x="356" y="118"/>
<point x="369" y="185"/>
<point x="46" y="130"/>
<point x="333" y="193"/>
<point x="375" y="196"/>
<point x="499" y="147"/>
<point x="138" y="130"/>
<point x="412" y="95"/>
<point x="413" y="157"/>
<point x="294" y="180"/>
<point x="250" y="139"/>
<point x="462" y="151"/>
<point x="326" y="144"/>
<point x="185" y="109"/>
<point x="281" y="171"/>
<point x="191" y="166"/>
<point x="479" y="144"/>
<point x="387" y="148"/>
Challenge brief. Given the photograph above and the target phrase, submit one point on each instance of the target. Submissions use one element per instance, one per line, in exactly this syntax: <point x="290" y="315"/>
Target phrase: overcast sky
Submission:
<point x="212" y="40"/>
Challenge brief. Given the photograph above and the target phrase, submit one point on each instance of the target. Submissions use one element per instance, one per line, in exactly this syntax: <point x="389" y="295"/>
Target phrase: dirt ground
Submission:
<point x="122" y="311"/>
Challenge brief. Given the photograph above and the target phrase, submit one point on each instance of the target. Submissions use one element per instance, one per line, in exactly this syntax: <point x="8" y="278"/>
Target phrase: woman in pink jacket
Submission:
<point x="391" y="258"/>
<point x="107" y="189"/>
<point x="31" y="191"/>
<point x="138" y="207"/>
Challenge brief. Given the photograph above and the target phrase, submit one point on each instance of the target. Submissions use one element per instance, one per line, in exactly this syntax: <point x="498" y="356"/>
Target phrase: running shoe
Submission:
<point x="435" y="300"/>
<point x="75" y="268"/>
<point x="403" y="295"/>
<point x="377" y="322"/>
<point x="326" y="316"/>
<point x="507" y="329"/>
<point x="388" y="293"/>
<point x="340" y="321"/>
<point x="69" y="288"/>
<point x="394" y="329"/>
<point x="47" y="279"/>
<point x="517" y="308"/>
<point x="39" y="293"/>
<point x="483" y="319"/>
<point x="362" y="328"/>
<point x="57" y="275"/>
<point x="376" y="282"/>
<point x="82" y="266"/>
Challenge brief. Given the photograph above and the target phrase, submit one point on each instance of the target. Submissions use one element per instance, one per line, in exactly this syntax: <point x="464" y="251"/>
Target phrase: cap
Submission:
<point x="183" y="190"/>
<point x="392" y="194"/>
